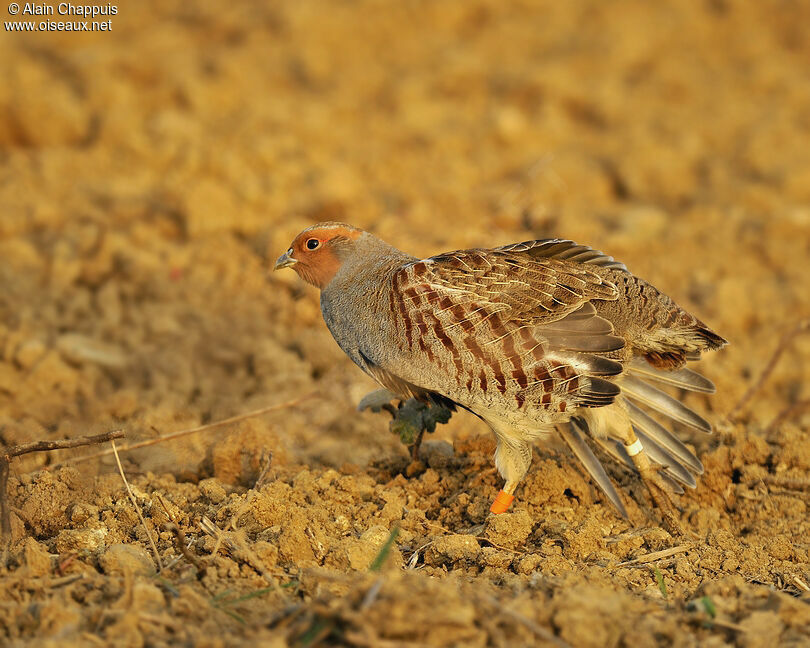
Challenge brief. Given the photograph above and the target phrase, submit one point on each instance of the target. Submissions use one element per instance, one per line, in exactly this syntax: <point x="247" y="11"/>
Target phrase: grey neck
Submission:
<point x="369" y="258"/>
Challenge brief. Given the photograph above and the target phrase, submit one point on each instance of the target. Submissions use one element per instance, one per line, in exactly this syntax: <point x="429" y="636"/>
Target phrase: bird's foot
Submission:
<point x="657" y="487"/>
<point x="660" y="493"/>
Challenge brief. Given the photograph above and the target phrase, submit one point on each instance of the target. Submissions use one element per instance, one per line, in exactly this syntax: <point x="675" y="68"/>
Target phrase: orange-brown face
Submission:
<point x="313" y="254"/>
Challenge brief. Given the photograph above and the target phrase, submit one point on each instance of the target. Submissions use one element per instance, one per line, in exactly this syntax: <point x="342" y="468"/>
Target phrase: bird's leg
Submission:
<point x="652" y="480"/>
<point x="512" y="457"/>
<point x="510" y="486"/>
<point x="381" y="399"/>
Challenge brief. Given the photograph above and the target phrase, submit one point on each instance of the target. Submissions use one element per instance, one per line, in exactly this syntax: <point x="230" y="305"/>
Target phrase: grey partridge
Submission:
<point x="532" y="337"/>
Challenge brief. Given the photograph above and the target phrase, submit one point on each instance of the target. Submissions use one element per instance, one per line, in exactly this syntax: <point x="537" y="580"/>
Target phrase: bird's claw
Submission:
<point x="660" y="493"/>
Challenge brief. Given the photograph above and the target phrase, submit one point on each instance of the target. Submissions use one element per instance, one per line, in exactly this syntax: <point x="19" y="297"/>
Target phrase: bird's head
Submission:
<point x="317" y="253"/>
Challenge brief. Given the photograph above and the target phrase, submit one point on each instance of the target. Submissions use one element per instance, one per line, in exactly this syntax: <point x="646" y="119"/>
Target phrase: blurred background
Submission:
<point x="150" y="174"/>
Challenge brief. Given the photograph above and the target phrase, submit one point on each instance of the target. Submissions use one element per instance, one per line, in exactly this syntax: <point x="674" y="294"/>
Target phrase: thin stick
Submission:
<point x="726" y="625"/>
<point x="787" y="414"/>
<point x="180" y="539"/>
<point x="200" y="428"/>
<point x="48" y="582"/>
<point x="802" y="585"/>
<point x="4" y="514"/>
<point x="66" y="580"/>
<point x="38" y="446"/>
<point x="137" y="508"/>
<point x="232" y="523"/>
<point x="165" y="508"/>
<point x="62" y="444"/>
<point x="801" y="327"/>
<point x="497" y="546"/>
<point x="656" y="555"/>
<point x="364" y="641"/>
<point x="787" y="483"/>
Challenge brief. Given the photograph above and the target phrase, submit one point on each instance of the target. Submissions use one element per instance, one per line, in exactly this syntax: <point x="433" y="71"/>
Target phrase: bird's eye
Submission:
<point x="312" y="244"/>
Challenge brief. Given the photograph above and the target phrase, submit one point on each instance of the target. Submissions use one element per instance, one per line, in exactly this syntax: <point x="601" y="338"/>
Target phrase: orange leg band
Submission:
<point x="502" y="502"/>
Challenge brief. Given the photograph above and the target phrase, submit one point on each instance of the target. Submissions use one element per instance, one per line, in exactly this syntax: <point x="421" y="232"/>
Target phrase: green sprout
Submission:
<point x="410" y="419"/>
<point x="708" y="605"/>
<point x="382" y="554"/>
<point x="659" y="577"/>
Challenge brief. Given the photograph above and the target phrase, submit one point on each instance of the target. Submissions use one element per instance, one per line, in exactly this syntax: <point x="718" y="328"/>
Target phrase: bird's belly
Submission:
<point x="523" y="428"/>
<point x="527" y="419"/>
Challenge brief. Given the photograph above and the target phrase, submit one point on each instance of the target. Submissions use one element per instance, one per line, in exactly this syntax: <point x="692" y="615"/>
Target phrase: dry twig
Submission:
<point x="137" y="508"/>
<point x="238" y="549"/>
<point x="787" y="414"/>
<point x="656" y="555"/>
<point x="267" y="460"/>
<point x="801" y="327"/>
<point x="182" y="547"/>
<point x="787" y="483"/>
<point x="199" y="428"/>
<point x="725" y="625"/>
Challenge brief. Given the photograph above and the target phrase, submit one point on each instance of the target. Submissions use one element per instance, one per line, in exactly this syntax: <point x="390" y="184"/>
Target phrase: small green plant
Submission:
<point x="413" y="418"/>
<point x="410" y="419"/>
<point x="382" y="554"/>
<point x="662" y="586"/>
<point x="223" y="603"/>
<point x="708" y="605"/>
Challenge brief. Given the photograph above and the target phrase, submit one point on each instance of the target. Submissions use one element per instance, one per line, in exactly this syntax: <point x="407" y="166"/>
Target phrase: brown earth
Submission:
<point x="148" y="174"/>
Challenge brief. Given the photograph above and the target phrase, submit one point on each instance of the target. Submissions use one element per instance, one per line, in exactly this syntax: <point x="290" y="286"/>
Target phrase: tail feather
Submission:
<point x="616" y="450"/>
<point x="671" y="465"/>
<point x="682" y="378"/>
<point x="597" y="393"/>
<point x="662" y="402"/>
<point x="679" y="466"/>
<point x="573" y="436"/>
<point x="710" y="338"/>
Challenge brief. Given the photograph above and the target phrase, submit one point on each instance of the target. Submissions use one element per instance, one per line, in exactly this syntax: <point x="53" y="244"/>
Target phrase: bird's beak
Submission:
<point x="285" y="261"/>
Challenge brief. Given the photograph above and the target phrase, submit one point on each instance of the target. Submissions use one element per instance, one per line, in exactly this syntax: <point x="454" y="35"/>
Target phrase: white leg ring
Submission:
<point x="634" y="448"/>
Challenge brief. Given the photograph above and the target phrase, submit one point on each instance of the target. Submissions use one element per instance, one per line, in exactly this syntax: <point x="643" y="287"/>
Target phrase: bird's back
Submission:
<point x="502" y="334"/>
<point x="530" y="332"/>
